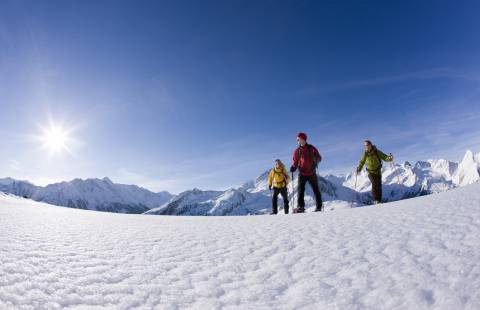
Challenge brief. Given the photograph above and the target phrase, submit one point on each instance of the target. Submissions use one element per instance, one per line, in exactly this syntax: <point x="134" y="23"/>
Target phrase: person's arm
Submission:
<point x="384" y="156"/>
<point x="362" y="162"/>
<point x="270" y="179"/>
<point x="295" y="161"/>
<point x="316" y="154"/>
<point x="285" y="172"/>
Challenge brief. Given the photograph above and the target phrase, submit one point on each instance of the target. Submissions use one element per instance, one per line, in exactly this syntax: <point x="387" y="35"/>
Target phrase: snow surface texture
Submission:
<point x="421" y="253"/>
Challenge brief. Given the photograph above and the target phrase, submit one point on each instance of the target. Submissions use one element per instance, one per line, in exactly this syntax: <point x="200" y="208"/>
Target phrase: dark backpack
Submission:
<point x="310" y="153"/>
<point x="375" y="153"/>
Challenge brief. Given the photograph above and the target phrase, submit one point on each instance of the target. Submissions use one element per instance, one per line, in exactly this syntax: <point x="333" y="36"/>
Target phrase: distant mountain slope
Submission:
<point x="91" y="194"/>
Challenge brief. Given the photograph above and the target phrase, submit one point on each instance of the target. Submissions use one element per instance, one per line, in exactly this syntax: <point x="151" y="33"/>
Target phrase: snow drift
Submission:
<point x="419" y="253"/>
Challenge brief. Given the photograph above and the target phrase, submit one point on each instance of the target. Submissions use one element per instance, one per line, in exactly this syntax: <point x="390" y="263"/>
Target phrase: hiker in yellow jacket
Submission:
<point x="278" y="178"/>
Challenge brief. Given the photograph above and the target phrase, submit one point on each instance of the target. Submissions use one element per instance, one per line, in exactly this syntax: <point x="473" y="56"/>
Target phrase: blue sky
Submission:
<point x="173" y="95"/>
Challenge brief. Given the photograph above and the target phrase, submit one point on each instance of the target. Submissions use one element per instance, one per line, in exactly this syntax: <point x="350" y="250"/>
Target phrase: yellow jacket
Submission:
<point x="279" y="177"/>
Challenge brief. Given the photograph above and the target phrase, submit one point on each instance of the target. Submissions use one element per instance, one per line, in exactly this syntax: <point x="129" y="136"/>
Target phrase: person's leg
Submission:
<point x="371" y="177"/>
<point x="301" y="192"/>
<point x="374" y="179"/>
<point x="313" y="180"/>
<point x="276" y="191"/>
<point x="379" y="190"/>
<point x="284" y="193"/>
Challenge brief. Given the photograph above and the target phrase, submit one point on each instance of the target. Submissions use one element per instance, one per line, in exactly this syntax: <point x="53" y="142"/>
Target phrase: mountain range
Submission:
<point x="400" y="181"/>
<point x="91" y="194"/>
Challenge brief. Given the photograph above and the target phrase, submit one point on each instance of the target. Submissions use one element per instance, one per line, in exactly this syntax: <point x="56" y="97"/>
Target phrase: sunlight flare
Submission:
<point x="56" y="139"/>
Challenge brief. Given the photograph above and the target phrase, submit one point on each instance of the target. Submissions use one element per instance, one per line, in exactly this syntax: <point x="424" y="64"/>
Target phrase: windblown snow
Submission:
<point x="421" y="253"/>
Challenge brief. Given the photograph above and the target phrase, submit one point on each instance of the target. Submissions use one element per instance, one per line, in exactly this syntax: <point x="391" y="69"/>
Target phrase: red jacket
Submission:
<point x="307" y="159"/>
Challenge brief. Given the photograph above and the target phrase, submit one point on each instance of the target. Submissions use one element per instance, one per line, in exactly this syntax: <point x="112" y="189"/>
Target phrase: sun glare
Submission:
<point x="55" y="139"/>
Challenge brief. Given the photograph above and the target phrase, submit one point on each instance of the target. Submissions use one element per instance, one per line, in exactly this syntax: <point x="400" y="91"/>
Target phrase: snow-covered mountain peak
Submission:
<point x="6" y="181"/>
<point x="469" y="157"/>
<point x="196" y="191"/>
<point x="468" y="170"/>
<point x="107" y="180"/>
<point x="262" y="177"/>
<point x="93" y="194"/>
<point x="9" y="181"/>
<point x="423" y="165"/>
<point x="190" y="194"/>
<point x="259" y="184"/>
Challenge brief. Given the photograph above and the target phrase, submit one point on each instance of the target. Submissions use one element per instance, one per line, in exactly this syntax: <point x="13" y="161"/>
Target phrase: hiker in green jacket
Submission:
<point x="372" y="158"/>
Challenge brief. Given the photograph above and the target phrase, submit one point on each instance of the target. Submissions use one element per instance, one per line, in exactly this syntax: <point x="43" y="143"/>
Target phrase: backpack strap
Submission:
<point x="375" y="153"/>
<point x="285" y="178"/>
<point x="309" y="150"/>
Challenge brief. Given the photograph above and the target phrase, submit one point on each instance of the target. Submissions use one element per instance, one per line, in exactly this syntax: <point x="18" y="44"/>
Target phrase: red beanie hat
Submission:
<point x="302" y="135"/>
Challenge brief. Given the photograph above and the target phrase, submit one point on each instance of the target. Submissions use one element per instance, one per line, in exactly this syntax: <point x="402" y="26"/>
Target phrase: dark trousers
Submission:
<point x="313" y="181"/>
<point x="376" y="180"/>
<point x="284" y="193"/>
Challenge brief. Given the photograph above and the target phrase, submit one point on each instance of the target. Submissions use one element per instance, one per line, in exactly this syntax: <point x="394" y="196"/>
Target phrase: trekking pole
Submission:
<point x="289" y="201"/>
<point x="398" y="178"/>
<point x="271" y="198"/>
<point x="354" y="189"/>
<point x="293" y="195"/>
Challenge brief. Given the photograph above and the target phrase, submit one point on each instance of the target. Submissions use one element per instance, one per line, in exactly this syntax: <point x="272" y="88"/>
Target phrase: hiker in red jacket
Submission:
<point x="306" y="157"/>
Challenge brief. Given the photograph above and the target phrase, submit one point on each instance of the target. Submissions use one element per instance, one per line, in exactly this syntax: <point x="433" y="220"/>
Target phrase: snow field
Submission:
<point x="421" y="253"/>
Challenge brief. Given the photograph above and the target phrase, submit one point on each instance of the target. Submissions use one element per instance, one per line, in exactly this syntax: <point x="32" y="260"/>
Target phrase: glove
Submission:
<point x="270" y="187"/>
<point x="293" y="169"/>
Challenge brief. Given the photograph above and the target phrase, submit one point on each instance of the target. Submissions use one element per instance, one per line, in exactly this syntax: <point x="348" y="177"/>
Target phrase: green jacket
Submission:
<point x="373" y="161"/>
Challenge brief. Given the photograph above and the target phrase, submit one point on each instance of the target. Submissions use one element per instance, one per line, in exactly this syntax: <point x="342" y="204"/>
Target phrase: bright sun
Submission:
<point x="55" y="139"/>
